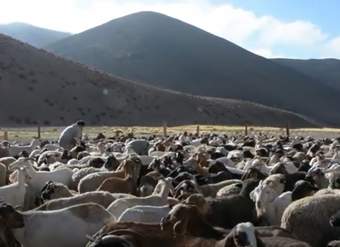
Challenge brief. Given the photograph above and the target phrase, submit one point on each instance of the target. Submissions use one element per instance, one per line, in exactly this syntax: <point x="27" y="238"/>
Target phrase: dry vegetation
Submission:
<point x="52" y="133"/>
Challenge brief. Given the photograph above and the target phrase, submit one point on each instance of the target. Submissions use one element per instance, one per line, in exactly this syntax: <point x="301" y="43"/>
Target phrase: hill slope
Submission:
<point x="36" y="36"/>
<point x="165" y="52"/>
<point x="326" y="71"/>
<point x="37" y="87"/>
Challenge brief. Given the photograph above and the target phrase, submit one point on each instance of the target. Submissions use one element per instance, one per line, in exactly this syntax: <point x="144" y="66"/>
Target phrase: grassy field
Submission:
<point x="52" y="133"/>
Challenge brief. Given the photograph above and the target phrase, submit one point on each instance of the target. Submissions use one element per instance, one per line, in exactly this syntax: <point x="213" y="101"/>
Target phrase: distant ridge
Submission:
<point x="327" y="71"/>
<point x="35" y="36"/>
<point x="37" y="87"/>
<point x="162" y="51"/>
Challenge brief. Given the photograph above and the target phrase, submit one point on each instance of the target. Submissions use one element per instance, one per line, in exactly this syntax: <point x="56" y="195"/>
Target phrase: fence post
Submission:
<point x="287" y="131"/>
<point x="39" y="132"/>
<point x="198" y="130"/>
<point x="246" y="130"/>
<point x="165" y="129"/>
<point x="6" y="135"/>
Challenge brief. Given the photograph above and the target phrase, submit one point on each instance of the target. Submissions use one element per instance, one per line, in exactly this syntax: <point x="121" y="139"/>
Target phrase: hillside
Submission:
<point x="327" y="71"/>
<point x="167" y="53"/>
<point x="36" y="36"/>
<point x="37" y="87"/>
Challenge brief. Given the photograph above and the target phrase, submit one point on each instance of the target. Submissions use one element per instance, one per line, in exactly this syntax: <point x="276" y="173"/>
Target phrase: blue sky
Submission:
<point x="325" y="14"/>
<point x="271" y="28"/>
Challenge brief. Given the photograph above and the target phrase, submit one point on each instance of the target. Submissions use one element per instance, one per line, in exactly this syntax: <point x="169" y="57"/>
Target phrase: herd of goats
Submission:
<point x="183" y="190"/>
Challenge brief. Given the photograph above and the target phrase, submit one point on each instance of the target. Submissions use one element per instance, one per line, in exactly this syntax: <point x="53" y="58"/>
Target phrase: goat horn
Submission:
<point x="90" y="238"/>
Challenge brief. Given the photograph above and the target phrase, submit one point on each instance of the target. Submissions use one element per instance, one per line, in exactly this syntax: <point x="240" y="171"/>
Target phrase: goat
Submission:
<point x="37" y="228"/>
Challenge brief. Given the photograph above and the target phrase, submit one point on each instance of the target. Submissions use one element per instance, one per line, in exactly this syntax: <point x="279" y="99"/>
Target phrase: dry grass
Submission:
<point x="52" y="133"/>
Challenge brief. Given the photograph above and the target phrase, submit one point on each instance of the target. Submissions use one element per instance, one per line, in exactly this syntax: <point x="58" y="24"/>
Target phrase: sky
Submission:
<point x="270" y="28"/>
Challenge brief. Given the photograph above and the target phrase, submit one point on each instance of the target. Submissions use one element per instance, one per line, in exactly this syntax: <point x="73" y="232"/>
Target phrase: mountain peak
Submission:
<point x="165" y="52"/>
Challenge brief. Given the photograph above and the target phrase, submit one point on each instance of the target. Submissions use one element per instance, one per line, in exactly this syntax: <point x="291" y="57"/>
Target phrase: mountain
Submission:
<point x="165" y="52"/>
<point x="36" y="36"/>
<point x="326" y="71"/>
<point x="37" y="87"/>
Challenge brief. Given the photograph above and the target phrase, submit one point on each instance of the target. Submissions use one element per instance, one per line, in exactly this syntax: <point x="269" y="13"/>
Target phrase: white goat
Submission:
<point x="14" y="194"/>
<point x="66" y="227"/>
<point x="15" y="150"/>
<point x="40" y="178"/>
<point x="158" y="198"/>
<point x="145" y="214"/>
<point x="269" y="200"/>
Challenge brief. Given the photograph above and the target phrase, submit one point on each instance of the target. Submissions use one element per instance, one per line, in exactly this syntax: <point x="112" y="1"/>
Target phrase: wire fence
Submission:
<point x="52" y="133"/>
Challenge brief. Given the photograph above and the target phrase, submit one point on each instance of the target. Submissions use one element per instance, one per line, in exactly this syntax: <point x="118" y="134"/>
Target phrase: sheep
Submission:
<point x="158" y="198"/>
<point x="15" y="150"/>
<point x="308" y="219"/>
<point x="100" y="197"/>
<point x="15" y="193"/>
<point x="38" y="228"/>
<point x="144" y="214"/>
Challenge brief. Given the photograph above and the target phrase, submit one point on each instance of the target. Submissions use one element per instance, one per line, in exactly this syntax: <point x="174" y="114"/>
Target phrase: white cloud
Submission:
<point x="268" y="53"/>
<point x="332" y="48"/>
<point x="265" y="35"/>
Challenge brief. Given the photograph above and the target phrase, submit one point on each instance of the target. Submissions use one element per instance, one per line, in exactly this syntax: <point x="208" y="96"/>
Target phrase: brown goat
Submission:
<point x="187" y="220"/>
<point x="148" y="235"/>
<point x="119" y="185"/>
<point x="92" y="181"/>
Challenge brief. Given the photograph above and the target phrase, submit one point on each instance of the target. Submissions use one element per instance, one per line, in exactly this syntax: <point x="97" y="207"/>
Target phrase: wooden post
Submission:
<point x="198" y="130"/>
<point x="117" y="133"/>
<point x="165" y="129"/>
<point x="287" y="131"/>
<point x="39" y="132"/>
<point x="6" y="135"/>
<point x="246" y="130"/>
